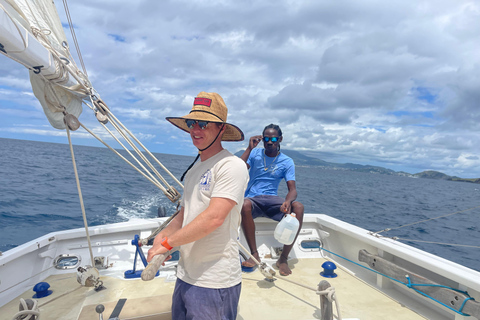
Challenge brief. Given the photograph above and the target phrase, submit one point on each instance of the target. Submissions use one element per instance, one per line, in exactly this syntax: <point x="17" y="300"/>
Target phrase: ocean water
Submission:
<point x="38" y="195"/>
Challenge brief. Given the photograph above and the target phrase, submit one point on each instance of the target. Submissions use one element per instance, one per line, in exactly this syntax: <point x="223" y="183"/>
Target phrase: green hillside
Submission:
<point x="303" y="160"/>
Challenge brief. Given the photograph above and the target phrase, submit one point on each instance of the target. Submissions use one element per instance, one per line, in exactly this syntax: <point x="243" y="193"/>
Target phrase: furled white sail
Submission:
<point x="31" y="33"/>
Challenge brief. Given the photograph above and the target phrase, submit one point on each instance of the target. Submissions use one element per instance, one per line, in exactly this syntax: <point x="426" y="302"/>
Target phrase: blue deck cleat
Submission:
<point x="41" y="290"/>
<point x="328" y="270"/>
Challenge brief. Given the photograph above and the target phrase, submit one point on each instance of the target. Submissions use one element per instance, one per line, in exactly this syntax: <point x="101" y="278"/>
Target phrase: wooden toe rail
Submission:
<point x="443" y="294"/>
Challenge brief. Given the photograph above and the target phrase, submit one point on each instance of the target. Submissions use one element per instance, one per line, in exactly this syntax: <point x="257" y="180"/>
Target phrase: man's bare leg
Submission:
<point x="282" y="262"/>
<point x="248" y="226"/>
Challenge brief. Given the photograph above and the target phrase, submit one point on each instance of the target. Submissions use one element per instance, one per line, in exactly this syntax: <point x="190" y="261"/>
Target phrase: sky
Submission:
<point x="388" y="83"/>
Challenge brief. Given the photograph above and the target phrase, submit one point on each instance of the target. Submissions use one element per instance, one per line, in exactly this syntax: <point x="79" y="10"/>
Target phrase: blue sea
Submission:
<point x="38" y="195"/>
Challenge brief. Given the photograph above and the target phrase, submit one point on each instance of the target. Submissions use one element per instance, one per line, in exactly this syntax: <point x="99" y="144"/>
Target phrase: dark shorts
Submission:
<point x="267" y="206"/>
<point x="196" y="303"/>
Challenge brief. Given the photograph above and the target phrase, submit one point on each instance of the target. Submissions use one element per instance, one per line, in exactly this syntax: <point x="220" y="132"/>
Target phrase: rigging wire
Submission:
<point x="97" y="106"/>
<point x="125" y="133"/>
<point x="72" y="30"/>
<point x="426" y="220"/>
<point x="443" y="243"/>
<point x="377" y="234"/>
<point x="169" y="191"/>
<point x="119" y="126"/>
<point x="164" y="190"/>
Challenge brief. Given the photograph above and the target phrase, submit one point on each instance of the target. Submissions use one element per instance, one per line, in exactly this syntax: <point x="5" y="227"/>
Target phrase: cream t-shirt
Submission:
<point x="213" y="261"/>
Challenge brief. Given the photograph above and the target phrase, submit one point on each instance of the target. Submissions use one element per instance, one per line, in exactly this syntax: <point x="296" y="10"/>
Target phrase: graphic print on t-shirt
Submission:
<point x="205" y="181"/>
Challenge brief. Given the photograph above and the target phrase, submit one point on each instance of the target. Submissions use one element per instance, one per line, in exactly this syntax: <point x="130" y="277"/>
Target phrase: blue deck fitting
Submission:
<point x="132" y="274"/>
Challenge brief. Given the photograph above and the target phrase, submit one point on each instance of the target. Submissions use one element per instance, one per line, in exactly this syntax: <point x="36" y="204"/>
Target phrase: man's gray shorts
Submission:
<point x="267" y="206"/>
<point x="192" y="302"/>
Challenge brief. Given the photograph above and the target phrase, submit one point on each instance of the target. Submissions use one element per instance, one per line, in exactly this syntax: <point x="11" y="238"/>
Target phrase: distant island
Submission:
<point x="306" y="161"/>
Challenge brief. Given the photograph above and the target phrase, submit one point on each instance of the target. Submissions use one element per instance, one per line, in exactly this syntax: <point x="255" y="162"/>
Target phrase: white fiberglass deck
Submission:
<point x="259" y="299"/>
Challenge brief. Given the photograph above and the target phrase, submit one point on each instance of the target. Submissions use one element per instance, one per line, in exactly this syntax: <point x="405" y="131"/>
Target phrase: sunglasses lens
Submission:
<point x="191" y="123"/>
<point x="274" y="139"/>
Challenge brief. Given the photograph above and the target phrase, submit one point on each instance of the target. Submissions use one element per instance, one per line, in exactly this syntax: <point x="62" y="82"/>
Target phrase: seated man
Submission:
<point x="268" y="167"/>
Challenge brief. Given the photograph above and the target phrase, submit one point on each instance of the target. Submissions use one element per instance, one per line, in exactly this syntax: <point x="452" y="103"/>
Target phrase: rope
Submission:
<point x="34" y="313"/>
<point x="59" y="296"/>
<point x="139" y="153"/>
<point x="122" y="157"/>
<point x="26" y="313"/>
<point x="164" y="190"/>
<point x="145" y="149"/>
<point x="411" y="286"/>
<point x="332" y="297"/>
<point x="72" y="30"/>
<point x="61" y="67"/>
<point x="80" y="196"/>
<point x="157" y="231"/>
<point x="128" y="151"/>
<point x="190" y="166"/>
<point x="329" y="292"/>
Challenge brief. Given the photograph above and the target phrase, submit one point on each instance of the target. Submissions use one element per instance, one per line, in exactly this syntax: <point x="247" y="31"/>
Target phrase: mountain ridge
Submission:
<point x="301" y="159"/>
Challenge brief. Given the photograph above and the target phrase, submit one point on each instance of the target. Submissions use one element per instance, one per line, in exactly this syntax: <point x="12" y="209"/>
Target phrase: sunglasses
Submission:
<point x="274" y="139"/>
<point x="201" y="124"/>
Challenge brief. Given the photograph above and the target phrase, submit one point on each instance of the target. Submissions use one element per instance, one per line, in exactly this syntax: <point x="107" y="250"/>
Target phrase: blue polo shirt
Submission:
<point x="266" y="181"/>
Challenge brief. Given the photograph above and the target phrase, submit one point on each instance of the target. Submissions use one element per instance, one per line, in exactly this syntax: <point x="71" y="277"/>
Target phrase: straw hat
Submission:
<point x="209" y="106"/>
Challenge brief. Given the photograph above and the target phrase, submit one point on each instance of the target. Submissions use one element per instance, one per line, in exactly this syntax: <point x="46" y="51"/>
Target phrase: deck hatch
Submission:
<point x="311" y="244"/>
<point x="67" y="261"/>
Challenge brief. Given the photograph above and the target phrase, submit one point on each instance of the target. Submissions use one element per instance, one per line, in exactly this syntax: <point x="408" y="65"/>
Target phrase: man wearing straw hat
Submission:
<point x="206" y="228"/>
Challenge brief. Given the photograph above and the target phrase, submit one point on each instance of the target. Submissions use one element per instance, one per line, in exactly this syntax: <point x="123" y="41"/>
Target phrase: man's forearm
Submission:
<point x="246" y="154"/>
<point x="204" y="224"/>
<point x="174" y="225"/>
<point x="291" y="196"/>
<point x="171" y="228"/>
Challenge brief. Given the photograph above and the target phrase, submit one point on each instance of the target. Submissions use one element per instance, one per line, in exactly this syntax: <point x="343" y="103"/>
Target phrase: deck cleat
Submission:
<point x="41" y="290"/>
<point x="328" y="270"/>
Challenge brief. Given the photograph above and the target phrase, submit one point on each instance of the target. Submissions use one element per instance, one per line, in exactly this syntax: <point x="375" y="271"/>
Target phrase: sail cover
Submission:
<point x="31" y="33"/>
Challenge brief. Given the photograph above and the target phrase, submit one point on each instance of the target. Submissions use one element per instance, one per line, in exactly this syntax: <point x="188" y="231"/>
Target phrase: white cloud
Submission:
<point x="375" y="82"/>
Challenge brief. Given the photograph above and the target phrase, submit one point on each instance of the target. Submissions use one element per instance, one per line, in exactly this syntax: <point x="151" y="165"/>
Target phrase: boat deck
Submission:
<point x="259" y="299"/>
